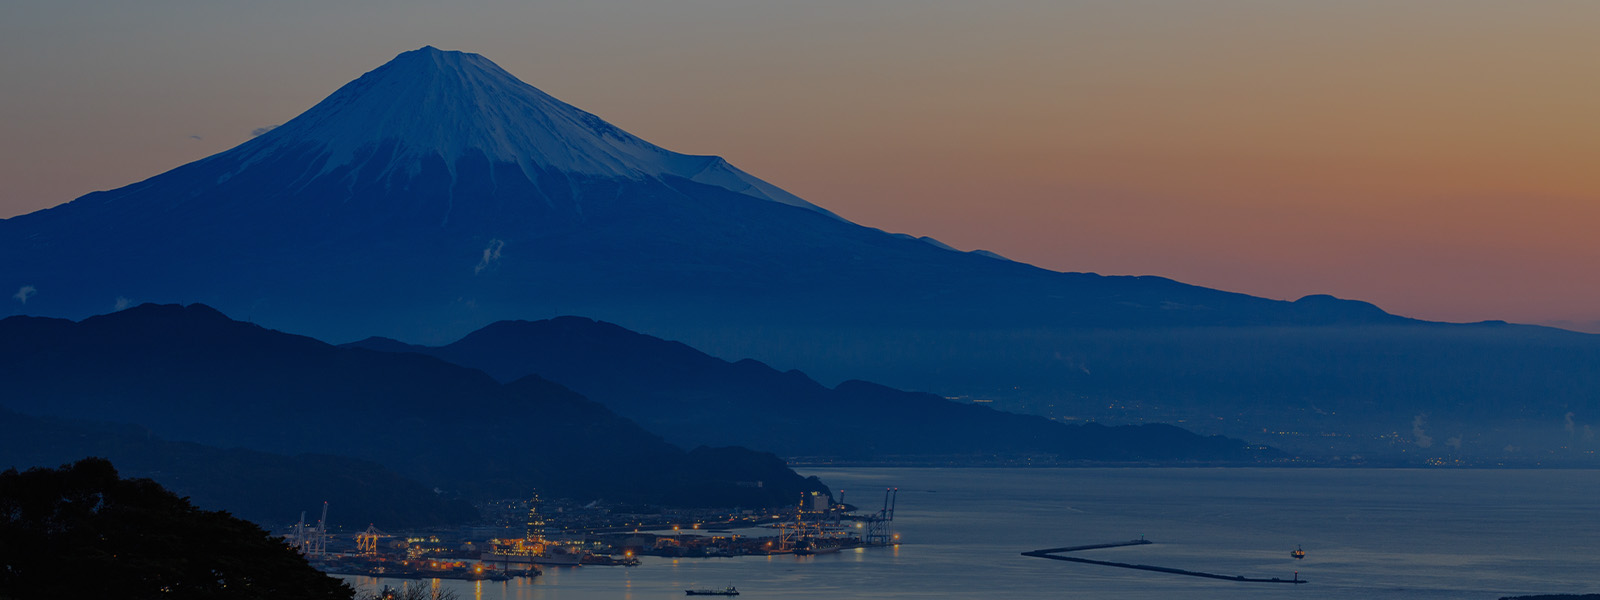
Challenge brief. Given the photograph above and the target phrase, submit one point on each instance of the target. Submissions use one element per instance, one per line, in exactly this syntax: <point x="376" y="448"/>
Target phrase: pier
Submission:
<point x="1042" y="553"/>
<point x="1053" y="554"/>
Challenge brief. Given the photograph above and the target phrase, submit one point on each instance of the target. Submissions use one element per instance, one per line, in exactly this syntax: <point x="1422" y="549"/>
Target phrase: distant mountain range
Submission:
<point x="191" y="374"/>
<point x="696" y="399"/>
<point x="438" y="194"/>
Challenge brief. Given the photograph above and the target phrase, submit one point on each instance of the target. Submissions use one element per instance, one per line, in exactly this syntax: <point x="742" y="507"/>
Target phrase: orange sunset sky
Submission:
<point x="1438" y="158"/>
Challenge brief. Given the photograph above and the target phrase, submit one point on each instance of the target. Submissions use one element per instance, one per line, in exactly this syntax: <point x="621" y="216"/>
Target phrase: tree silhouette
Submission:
<point x="81" y="531"/>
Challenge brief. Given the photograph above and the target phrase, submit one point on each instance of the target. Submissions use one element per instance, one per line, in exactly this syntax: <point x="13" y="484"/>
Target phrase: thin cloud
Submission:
<point x="491" y="255"/>
<point x="260" y="130"/>
<point x="24" y="293"/>
<point x="1423" y="439"/>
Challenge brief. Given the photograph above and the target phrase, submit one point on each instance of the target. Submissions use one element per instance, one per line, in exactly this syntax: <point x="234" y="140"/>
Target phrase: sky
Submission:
<point x="1435" y="157"/>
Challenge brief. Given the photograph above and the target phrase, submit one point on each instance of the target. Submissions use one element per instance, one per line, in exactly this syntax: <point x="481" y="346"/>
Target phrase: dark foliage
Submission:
<point x="412" y="591"/>
<point x="81" y="531"/>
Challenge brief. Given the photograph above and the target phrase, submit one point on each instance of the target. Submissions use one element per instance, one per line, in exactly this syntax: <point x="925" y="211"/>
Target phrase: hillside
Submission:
<point x="265" y="488"/>
<point x="694" y="398"/>
<point x="191" y="374"/>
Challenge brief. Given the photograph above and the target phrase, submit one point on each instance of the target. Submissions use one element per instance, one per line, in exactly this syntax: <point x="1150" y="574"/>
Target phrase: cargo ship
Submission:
<point x="727" y="591"/>
<point x="556" y="559"/>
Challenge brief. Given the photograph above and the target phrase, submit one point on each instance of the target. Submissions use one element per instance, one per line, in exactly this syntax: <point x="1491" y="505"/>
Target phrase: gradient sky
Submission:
<point x="1438" y="158"/>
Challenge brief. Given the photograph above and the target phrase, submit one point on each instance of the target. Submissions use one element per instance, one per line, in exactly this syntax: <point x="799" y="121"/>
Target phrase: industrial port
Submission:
<point x="520" y="537"/>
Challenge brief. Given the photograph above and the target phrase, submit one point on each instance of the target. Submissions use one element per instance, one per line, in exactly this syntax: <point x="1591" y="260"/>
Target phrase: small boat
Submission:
<point x="727" y="591"/>
<point x="1298" y="553"/>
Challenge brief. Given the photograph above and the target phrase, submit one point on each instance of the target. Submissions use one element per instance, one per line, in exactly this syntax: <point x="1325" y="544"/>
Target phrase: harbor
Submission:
<point x="541" y="539"/>
<point x="1368" y="533"/>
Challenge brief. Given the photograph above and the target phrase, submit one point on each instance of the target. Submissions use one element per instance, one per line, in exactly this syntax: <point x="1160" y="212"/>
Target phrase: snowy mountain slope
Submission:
<point x="429" y="102"/>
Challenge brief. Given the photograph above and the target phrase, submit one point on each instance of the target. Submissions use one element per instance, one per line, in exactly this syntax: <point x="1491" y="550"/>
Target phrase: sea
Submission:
<point x="1367" y="533"/>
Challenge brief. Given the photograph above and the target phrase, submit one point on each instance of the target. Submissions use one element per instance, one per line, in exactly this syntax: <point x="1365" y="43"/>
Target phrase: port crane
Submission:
<point x="367" y="541"/>
<point x="311" y="541"/>
<point x="320" y="546"/>
<point x="300" y="536"/>
<point x="824" y="530"/>
<point x="880" y="527"/>
<point x="819" y="528"/>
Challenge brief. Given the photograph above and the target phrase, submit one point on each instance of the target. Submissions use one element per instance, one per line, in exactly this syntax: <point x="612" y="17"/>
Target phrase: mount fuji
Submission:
<point x="438" y="193"/>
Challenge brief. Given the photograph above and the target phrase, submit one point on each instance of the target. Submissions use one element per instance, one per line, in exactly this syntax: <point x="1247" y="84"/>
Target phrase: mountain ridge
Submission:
<point x="190" y="374"/>
<point x="262" y="487"/>
<point x="697" y="399"/>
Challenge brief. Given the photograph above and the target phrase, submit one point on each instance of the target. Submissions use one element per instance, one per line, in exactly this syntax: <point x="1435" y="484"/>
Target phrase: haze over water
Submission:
<point x="1368" y="533"/>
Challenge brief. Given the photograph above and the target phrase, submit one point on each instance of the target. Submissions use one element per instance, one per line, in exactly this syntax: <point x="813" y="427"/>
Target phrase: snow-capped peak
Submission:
<point x="434" y="102"/>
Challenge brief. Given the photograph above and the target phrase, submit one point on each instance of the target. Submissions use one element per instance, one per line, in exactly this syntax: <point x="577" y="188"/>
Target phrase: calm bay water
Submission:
<point x="1471" y="534"/>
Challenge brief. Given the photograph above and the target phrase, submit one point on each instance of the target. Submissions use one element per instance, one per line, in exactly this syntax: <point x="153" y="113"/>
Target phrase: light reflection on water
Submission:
<point x="1367" y="533"/>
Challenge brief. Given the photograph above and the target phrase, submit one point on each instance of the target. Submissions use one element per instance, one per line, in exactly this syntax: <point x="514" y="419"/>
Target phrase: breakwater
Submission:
<point x="1054" y="554"/>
